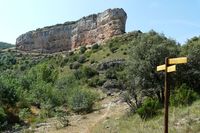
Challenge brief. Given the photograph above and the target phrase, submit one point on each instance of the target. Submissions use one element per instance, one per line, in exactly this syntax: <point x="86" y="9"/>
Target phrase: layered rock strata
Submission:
<point x="89" y="30"/>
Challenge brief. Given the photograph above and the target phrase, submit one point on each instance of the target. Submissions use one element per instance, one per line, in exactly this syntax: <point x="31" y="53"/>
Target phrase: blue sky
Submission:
<point x="177" y="19"/>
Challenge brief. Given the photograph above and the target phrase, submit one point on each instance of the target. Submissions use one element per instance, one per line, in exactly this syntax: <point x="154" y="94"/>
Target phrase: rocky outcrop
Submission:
<point x="111" y="63"/>
<point x="88" y="30"/>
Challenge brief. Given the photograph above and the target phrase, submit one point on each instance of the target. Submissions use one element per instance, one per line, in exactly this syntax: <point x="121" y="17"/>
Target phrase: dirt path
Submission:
<point x="106" y="114"/>
<point x="111" y="106"/>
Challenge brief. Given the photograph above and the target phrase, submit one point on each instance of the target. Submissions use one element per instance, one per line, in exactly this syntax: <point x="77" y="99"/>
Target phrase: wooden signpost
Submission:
<point x="167" y="68"/>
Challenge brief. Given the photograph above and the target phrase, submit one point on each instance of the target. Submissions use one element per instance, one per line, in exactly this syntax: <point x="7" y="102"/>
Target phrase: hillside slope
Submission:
<point x="4" y="45"/>
<point x="181" y="120"/>
<point x="36" y="88"/>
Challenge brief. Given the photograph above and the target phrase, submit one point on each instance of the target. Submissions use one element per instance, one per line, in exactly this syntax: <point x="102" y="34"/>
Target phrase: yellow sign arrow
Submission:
<point x="171" y="68"/>
<point x="179" y="60"/>
<point x="161" y="67"/>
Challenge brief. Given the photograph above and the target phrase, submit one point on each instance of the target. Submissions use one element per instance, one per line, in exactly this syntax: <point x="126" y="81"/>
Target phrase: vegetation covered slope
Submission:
<point x="181" y="120"/>
<point x="36" y="87"/>
<point x="4" y="45"/>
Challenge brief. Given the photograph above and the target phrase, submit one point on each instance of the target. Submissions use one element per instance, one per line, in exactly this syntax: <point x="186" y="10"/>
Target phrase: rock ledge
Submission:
<point x="89" y="30"/>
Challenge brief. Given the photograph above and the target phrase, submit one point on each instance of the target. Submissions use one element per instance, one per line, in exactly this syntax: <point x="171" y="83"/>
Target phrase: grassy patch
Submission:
<point x="181" y="120"/>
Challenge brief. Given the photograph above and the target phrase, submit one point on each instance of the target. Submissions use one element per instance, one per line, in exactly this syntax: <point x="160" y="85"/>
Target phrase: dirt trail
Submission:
<point x="111" y="106"/>
<point x="106" y="114"/>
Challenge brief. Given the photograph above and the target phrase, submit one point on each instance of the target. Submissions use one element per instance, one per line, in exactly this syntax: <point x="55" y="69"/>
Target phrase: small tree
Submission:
<point x="82" y="100"/>
<point x="145" y="54"/>
<point x="192" y="50"/>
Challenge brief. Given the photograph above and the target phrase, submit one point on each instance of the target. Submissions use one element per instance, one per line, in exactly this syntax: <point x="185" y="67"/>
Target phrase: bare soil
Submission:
<point x="111" y="106"/>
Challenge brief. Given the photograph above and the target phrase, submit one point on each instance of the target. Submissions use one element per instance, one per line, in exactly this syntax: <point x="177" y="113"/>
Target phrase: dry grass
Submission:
<point x="181" y="120"/>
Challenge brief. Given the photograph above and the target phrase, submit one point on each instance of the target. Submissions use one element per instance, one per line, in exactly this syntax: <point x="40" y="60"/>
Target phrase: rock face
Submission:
<point x="88" y="30"/>
<point x="112" y="63"/>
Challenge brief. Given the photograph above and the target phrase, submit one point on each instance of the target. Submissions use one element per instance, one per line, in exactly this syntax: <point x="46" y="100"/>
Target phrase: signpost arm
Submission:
<point x="166" y="101"/>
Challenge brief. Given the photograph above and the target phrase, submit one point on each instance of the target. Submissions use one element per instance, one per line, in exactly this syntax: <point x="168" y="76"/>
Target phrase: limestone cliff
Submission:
<point x="86" y="31"/>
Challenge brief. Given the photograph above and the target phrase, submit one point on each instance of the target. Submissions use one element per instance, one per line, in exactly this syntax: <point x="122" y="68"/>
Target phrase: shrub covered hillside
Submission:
<point x="4" y="45"/>
<point x="36" y="87"/>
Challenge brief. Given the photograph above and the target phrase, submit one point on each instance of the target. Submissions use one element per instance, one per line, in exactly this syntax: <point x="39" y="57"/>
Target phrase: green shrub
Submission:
<point x="89" y="72"/>
<point x="149" y="108"/>
<point x="68" y="81"/>
<point x="124" y="53"/>
<point x="92" y="61"/>
<point x="48" y="73"/>
<point x="88" y="54"/>
<point x="82" y="100"/>
<point x="24" y="113"/>
<point x="64" y="62"/>
<point x="74" y="65"/>
<point x="82" y="59"/>
<point x="23" y="67"/>
<point x="8" y="93"/>
<point x="96" y="81"/>
<point x="44" y="93"/>
<point x="73" y="58"/>
<point x="70" y="53"/>
<point x="2" y="115"/>
<point x="71" y="65"/>
<point x="183" y="95"/>
<point x="3" y="118"/>
<point x="82" y="49"/>
<point x="108" y="54"/>
<point x="111" y="74"/>
<point x="114" y="49"/>
<point x="95" y="46"/>
<point x="78" y="74"/>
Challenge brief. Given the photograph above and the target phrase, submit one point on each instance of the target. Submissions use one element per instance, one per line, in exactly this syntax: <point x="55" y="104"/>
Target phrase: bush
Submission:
<point x="96" y="81"/>
<point x="74" y="65"/>
<point x="89" y="72"/>
<point x="83" y="49"/>
<point x="2" y="115"/>
<point x="113" y="49"/>
<point x="8" y="93"/>
<point x="95" y="46"/>
<point x="78" y="74"/>
<point x="3" y="118"/>
<point x="92" y="61"/>
<point x="149" y="108"/>
<point x="64" y="62"/>
<point x="68" y="81"/>
<point x="71" y="65"/>
<point x="70" y="53"/>
<point x="44" y="93"/>
<point x="48" y="73"/>
<point x="82" y="59"/>
<point x="24" y="113"/>
<point x="183" y="96"/>
<point x="111" y="74"/>
<point x="108" y="54"/>
<point x="124" y="53"/>
<point x="82" y="100"/>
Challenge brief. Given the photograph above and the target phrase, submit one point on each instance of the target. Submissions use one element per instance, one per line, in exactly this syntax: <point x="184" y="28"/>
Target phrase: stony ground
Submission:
<point x="111" y="106"/>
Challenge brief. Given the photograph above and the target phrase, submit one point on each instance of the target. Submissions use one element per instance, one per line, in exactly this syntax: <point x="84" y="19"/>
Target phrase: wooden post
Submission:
<point x="166" y="101"/>
<point x="168" y="69"/>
